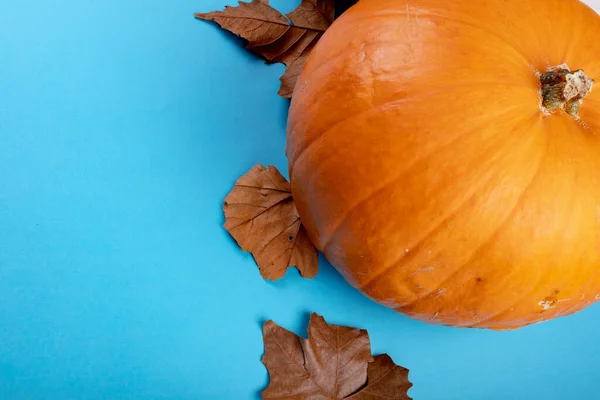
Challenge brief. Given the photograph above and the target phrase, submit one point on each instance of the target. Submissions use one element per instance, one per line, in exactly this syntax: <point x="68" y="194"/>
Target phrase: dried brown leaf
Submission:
<point x="261" y="216"/>
<point x="336" y="357"/>
<point x="291" y="74"/>
<point x="333" y="363"/>
<point x="286" y="39"/>
<point x="257" y="21"/>
<point x="385" y="380"/>
<point x="330" y="364"/>
<point x="284" y="359"/>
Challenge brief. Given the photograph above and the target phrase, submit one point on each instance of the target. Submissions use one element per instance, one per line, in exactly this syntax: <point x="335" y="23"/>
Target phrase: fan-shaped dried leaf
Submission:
<point x="278" y="38"/>
<point x="261" y="216"/>
<point x="334" y="363"/>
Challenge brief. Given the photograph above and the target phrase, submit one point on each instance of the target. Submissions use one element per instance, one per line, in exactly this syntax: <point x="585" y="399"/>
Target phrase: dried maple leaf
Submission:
<point x="330" y="364"/>
<point x="261" y="216"/>
<point x="335" y="362"/>
<point x="287" y="39"/>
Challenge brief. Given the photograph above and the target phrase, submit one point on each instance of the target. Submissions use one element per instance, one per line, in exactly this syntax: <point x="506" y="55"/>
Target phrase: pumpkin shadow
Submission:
<point x="381" y="317"/>
<point x="283" y="115"/>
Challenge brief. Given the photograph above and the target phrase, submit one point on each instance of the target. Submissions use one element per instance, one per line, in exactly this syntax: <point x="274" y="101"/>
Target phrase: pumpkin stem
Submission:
<point x="564" y="89"/>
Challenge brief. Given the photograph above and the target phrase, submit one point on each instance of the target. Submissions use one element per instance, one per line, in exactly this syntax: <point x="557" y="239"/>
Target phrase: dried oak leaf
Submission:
<point x="335" y="362"/>
<point x="261" y="216"/>
<point x="287" y="39"/>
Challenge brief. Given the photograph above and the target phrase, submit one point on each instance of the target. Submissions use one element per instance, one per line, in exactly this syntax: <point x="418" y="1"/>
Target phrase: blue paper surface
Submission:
<point x="123" y="125"/>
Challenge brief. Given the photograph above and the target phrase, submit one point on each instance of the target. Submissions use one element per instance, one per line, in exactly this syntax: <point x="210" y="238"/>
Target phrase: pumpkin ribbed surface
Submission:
<point x="424" y="166"/>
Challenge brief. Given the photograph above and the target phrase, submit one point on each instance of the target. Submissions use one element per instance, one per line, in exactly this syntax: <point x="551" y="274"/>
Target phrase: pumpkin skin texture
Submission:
<point x="424" y="169"/>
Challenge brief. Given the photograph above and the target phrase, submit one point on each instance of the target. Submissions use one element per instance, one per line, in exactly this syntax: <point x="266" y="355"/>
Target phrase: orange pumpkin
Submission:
<point x="447" y="162"/>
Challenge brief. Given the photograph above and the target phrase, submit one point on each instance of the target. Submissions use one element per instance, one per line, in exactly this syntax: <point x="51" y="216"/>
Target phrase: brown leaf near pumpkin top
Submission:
<point x="335" y="362"/>
<point x="286" y="39"/>
<point x="261" y="216"/>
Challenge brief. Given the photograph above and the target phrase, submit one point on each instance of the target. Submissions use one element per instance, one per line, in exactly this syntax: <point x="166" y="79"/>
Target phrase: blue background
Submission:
<point x="123" y="125"/>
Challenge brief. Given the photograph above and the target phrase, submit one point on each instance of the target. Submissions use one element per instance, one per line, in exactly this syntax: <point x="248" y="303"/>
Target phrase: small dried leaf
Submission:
<point x="330" y="364"/>
<point x="261" y="216"/>
<point x="257" y="21"/>
<point x="278" y="38"/>
<point x="385" y="380"/>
